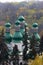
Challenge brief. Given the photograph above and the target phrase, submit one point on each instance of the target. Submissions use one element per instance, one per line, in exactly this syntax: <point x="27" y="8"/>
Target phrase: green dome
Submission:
<point x="7" y="25"/>
<point x="17" y="36"/>
<point x="35" y="25"/>
<point x="37" y="36"/>
<point x="17" y="22"/>
<point x="21" y="18"/>
<point x="8" y="37"/>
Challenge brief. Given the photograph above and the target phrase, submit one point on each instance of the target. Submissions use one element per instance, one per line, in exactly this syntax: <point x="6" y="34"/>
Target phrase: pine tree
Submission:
<point x="25" y="44"/>
<point x="25" y="37"/>
<point x="3" y="47"/>
<point x="32" y="52"/>
<point x="34" y="46"/>
<point x="41" y="44"/>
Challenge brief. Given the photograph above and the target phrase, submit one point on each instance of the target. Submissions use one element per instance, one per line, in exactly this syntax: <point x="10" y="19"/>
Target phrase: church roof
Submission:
<point x="21" y="18"/>
<point x="7" y="25"/>
<point x="35" y="25"/>
<point x="17" y="22"/>
<point x="17" y="36"/>
<point x="8" y="37"/>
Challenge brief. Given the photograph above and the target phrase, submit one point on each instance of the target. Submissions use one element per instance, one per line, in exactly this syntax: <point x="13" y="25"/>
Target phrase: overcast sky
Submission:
<point x="16" y="0"/>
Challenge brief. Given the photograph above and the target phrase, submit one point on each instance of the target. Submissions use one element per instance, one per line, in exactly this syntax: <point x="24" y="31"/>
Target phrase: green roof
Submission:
<point x="7" y="25"/>
<point x="21" y="18"/>
<point x="8" y="37"/>
<point x="35" y="25"/>
<point x="17" y="22"/>
<point x="17" y="36"/>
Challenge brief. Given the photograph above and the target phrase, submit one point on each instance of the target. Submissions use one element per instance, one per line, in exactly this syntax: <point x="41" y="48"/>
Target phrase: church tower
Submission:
<point x="17" y="36"/>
